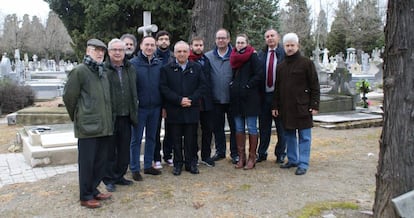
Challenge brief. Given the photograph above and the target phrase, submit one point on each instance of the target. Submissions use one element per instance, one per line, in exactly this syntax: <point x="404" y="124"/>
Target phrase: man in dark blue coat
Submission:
<point x="272" y="55"/>
<point x="147" y="67"/>
<point x="182" y="85"/>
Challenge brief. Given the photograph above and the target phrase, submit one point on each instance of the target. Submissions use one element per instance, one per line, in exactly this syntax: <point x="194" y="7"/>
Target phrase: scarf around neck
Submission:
<point x="98" y="67"/>
<point x="194" y="57"/>
<point x="238" y="58"/>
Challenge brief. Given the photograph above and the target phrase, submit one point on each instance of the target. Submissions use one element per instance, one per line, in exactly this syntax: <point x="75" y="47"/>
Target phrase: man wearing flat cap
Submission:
<point x="87" y="100"/>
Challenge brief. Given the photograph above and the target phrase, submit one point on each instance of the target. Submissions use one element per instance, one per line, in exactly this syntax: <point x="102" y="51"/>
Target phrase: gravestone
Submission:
<point x="404" y="204"/>
<point x="49" y="145"/>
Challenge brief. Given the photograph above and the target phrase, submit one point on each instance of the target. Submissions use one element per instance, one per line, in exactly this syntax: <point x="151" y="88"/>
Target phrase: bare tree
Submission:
<point x="37" y="37"/>
<point x="10" y="33"/>
<point x="57" y="37"/>
<point x="395" y="174"/>
<point x="207" y="17"/>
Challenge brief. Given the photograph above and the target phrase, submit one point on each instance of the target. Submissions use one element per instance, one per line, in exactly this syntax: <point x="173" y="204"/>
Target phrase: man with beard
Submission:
<point x="206" y="103"/>
<point x="165" y="55"/>
<point x="131" y="45"/>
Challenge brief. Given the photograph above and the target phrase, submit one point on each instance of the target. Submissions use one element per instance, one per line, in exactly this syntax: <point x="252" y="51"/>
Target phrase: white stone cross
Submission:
<point x="147" y="28"/>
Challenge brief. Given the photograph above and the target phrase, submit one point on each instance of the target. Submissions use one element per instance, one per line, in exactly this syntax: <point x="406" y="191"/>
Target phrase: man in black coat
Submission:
<point x="206" y="103"/>
<point x="182" y="85"/>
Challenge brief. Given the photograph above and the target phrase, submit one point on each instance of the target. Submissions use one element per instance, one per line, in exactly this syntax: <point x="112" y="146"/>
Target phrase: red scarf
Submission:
<point x="238" y="58"/>
<point x="194" y="57"/>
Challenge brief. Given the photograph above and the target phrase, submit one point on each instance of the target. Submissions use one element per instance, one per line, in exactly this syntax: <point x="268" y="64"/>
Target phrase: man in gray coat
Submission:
<point x="221" y="75"/>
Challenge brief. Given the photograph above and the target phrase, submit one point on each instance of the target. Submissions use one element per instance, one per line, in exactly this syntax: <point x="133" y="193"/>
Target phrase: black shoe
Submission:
<point x="137" y="176"/>
<point x="218" y="157"/>
<point x="123" y="181"/>
<point x="300" y="171"/>
<point x="208" y="162"/>
<point x="194" y="169"/>
<point x="280" y="160"/>
<point x="235" y="159"/>
<point x="261" y="158"/>
<point x="152" y="171"/>
<point x="110" y="187"/>
<point x="177" y="170"/>
<point x="288" y="165"/>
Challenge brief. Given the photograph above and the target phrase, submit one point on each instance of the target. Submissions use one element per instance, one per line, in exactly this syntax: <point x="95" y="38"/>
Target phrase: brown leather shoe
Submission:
<point x="103" y="196"/>
<point x="90" y="203"/>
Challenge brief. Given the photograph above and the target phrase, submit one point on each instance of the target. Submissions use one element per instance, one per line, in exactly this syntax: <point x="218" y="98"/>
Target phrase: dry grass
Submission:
<point x="7" y="136"/>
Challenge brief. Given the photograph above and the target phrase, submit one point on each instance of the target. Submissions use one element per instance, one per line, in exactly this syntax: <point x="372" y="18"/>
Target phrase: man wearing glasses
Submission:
<point x="88" y="102"/>
<point x="121" y="76"/>
<point x="221" y="75"/>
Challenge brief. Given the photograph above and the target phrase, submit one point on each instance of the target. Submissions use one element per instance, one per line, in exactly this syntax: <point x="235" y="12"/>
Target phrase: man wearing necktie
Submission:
<point x="270" y="56"/>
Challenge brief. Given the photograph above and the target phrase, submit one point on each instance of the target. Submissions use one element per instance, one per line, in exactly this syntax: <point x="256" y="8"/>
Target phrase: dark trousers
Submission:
<point x="186" y="133"/>
<point x="207" y="126"/>
<point x="167" y="146"/>
<point x="92" y="159"/>
<point x="265" y="128"/>
<point x="119" y="151"/>
<point x="220" y="112"/>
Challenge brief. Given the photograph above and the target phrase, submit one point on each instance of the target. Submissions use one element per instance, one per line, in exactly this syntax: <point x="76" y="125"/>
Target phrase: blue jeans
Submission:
<point x="148" y="119"/>
<point x="265" y="130"/>
<point x="240" y="123"/>
<point x="298" y="146"/>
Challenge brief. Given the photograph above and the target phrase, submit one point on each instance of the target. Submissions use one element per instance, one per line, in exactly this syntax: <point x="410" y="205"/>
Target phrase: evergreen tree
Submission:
<point x="109" y="19"/>
<point x="338" y="37"/>
<point x="253" y="17"/>
<point x="367" y="26"/>
<point x="298" y="21"/>
<point x="321" y="31"/>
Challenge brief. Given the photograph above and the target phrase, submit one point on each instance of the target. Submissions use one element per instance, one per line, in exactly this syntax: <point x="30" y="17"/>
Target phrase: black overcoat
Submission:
<point x="175" y="84"/>
<point x="245" y="88"/>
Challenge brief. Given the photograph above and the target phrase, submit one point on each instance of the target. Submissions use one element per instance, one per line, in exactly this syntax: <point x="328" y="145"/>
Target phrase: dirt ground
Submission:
<point x="340" y="181"/>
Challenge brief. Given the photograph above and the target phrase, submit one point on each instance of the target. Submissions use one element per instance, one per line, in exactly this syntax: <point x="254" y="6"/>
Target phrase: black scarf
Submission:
<point x="87" y="60"/>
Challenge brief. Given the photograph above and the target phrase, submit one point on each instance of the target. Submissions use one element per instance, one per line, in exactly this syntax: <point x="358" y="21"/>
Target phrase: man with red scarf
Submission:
<point x="206" y="103"/>
<point x="245" y="99"/>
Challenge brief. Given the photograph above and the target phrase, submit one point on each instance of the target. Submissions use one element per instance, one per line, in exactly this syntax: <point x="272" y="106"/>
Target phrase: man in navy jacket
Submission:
<point x="265" y="119"/>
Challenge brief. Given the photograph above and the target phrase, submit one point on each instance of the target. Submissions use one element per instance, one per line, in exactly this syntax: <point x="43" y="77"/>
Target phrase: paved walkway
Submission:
<point x="13" y="169"/>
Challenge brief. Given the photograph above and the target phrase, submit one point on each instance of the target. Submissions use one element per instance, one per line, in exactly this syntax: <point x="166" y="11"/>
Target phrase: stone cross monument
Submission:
<point x="147" y="28"/>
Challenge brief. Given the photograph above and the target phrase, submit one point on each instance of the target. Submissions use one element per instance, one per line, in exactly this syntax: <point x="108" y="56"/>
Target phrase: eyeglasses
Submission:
<point x="221" y="38"/>
<point x="97" y="49"/>
<point x="117" y="49"/>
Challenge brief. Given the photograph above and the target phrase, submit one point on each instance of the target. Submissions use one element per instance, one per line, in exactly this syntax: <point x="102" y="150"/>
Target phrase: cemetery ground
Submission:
<point x="340" y="182"/>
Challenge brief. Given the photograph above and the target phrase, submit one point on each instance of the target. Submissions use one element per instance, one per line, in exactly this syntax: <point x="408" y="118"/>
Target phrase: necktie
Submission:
<point x="270" y="69"/>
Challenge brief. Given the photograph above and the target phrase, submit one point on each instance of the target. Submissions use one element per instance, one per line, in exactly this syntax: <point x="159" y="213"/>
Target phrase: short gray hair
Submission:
<point x="291" y="37"/>
<point x="115" y="40"/>
<point x="182" y="43"/>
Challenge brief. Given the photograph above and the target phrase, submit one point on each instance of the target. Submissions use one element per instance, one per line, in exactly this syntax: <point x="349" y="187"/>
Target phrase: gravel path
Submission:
<point x="342" y="169"/>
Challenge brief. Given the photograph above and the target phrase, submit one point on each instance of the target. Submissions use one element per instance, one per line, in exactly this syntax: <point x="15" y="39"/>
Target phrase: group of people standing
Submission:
<point x="112" y="99"/>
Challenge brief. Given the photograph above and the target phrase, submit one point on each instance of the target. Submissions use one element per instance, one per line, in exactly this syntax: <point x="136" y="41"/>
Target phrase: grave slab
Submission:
<point x="404" y="204"/>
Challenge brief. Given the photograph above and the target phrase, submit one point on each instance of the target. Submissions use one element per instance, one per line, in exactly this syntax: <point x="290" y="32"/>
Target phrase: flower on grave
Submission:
<point x="363" y="86"/>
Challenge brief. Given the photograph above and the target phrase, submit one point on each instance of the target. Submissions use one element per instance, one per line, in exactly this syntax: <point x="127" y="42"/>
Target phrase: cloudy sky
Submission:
<point x="20" y="7"/>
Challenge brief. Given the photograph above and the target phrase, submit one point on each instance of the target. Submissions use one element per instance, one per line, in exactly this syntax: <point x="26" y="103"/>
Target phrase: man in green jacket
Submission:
<point x="88" y="102"/>
<point x="122" y="81"/>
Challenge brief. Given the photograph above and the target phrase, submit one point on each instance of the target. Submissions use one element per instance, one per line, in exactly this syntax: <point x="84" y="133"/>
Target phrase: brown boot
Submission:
<point x="241" y="150"/>
<point x="253" y="139"/>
